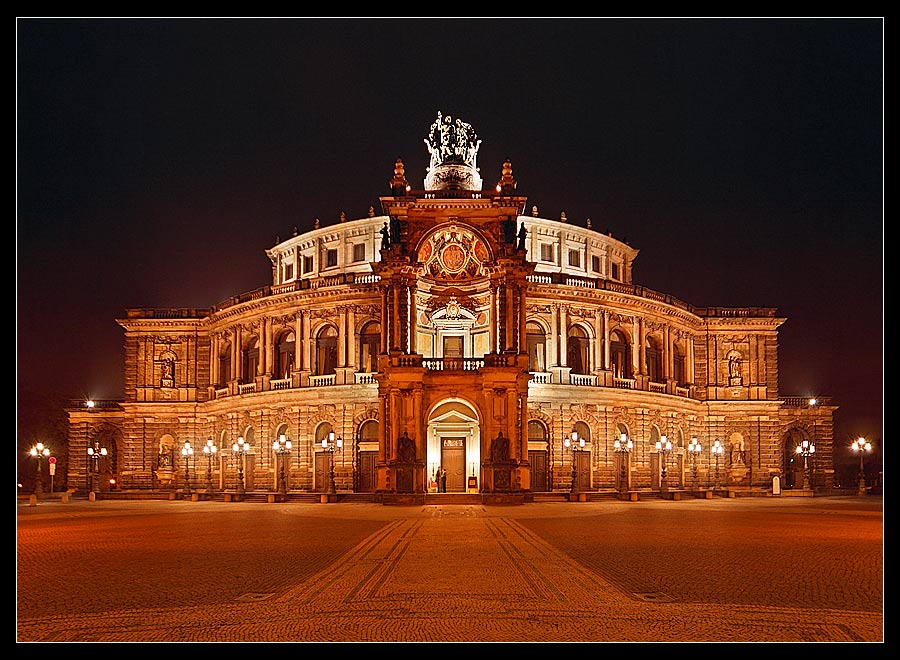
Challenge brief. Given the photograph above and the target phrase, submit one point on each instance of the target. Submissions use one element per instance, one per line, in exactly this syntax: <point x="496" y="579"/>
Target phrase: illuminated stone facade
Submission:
<point x="457" y="329"/>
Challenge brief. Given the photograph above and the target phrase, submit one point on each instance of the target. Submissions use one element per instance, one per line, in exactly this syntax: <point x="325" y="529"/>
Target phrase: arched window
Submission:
<point x="368" y="431"/>
<point x="284" y="355"/>
<point x="654" y="357"/>
<point x="583" y="431"/>
<point x="678" y="364"/>
<point x="619" y="355"/>
<point x="322" y="431"/>
<point x="251" y="360"/>
<point x="537" y="432"/>
<point x="225" y="374"/>
<point x="535" y="338"/>
<point x="369" y="345"/>
<point x="326" y="351"/>
<point x="579" y="356"/>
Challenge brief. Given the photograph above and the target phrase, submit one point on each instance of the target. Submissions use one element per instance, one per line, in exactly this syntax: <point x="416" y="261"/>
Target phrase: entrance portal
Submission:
<point x="454" y="443"/>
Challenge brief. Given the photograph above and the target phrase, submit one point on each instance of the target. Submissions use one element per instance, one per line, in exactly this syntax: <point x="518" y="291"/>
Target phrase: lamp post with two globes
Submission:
<point x="863" y="447"/>
<point x="187" y="451"/>
<point x="806" y="449"/>
<point x="576" y="444"/>
<point x="664" y="448"/>
<point x="331" y="444"/>
<point x="694" y="449"/>
<point x="239" y="449"/>
<point x="282" y="449"/>
<point x="717" y="450"/>
<point x="39" y="451"/>
<point x="623" y="446"/>
<point x="94" y="453"/>
<point x="210" y="450"/>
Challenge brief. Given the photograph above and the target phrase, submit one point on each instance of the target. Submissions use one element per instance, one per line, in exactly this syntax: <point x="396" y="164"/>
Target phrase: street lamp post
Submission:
<point x="38" y="452"/>
<point x="576" y="444"/>
<point x="861" y="446"/>
<point x="331" y="445"/>
<point x="210" y="450"/>
<point x="806" y="449"/>
<point x="623" y="446"/>
<point x="240" y="448"/>
<point x="282" y="449"/>
<point x="664" y="447"/>
<point x="187" y="451"/>
<point x="694" y="449"/>
<point x="94" y="453"/>
<point x="717" y="449"/>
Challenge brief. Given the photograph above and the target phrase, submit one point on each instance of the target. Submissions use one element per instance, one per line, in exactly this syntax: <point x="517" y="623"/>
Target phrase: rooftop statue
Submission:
<point x="452" y="142"/>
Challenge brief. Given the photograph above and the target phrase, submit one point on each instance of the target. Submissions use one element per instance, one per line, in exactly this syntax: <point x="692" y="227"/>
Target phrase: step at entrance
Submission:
<point x="453" y="498"/>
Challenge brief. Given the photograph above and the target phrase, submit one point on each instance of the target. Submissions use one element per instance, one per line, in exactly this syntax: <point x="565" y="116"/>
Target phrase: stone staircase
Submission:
<point x="452" y="498"/>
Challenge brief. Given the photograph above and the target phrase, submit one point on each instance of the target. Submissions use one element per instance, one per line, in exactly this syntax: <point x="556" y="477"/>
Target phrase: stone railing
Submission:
<point x="583" y="379"/>
<point x="453" y="364"/>
<point x="322" y="381"/>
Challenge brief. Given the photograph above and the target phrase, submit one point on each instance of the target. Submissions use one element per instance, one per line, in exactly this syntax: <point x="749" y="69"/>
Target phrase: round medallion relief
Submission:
<point x="453" y="257"/>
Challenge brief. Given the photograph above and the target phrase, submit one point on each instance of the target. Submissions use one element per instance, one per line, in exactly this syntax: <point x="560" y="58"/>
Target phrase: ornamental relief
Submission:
<point x="283" y="321"/>
<point x="621" y="319"/>
<point x="366" y="415"/>
<point x="454" y="253"/>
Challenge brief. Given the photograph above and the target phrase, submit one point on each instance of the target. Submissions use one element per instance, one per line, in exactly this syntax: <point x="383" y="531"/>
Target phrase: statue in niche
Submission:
<point x="385" y="237"/>
<point x="738" y="456"/>
<point x="500" y="449"/>
<point x="734" y="369"/>
<point x="406" y="449"/>
<point x="165" y="459"/>
<point x="168" y="373"/>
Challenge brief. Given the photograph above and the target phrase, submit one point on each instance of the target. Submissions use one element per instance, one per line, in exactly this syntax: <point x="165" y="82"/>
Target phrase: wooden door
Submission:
<point x="453" y="459"/>
<point x="323" y="471"/>
<point x="583" y="470"/>
<point x="538" y="461"/>
<point x="366" y="475"/>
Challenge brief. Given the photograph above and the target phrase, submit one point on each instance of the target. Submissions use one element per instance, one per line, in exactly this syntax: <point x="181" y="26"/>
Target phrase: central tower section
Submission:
<point x="453" y="371"/>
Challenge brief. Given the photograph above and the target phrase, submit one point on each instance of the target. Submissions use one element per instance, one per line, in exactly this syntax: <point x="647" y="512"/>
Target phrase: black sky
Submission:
<point x="158" y="159"/>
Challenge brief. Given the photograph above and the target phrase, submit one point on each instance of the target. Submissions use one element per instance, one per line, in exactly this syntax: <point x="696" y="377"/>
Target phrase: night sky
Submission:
<point x="158" y="159"/>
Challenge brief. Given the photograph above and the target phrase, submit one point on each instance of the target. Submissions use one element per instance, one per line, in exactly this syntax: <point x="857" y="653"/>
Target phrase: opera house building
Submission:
<point x="452" y="341"/>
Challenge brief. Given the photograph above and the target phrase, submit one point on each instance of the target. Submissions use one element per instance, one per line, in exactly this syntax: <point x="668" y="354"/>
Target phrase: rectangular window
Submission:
<point x="547" y="252"/>
<point x="359" y="252"/>
<point x="331" y="258"/>
<point x="288" y="271"/>
<point x="595" y="264"/>
<point x="307" y="264"/>
<point x="575" y="258"/>
<point x="615" y="272"/>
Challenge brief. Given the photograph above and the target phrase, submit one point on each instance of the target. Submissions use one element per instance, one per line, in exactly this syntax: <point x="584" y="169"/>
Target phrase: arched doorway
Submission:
<point x="792" y="462"/>
<point x="538" y="456"/>
<point x="367" y="456"/>
<point x="454" y="444"/>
